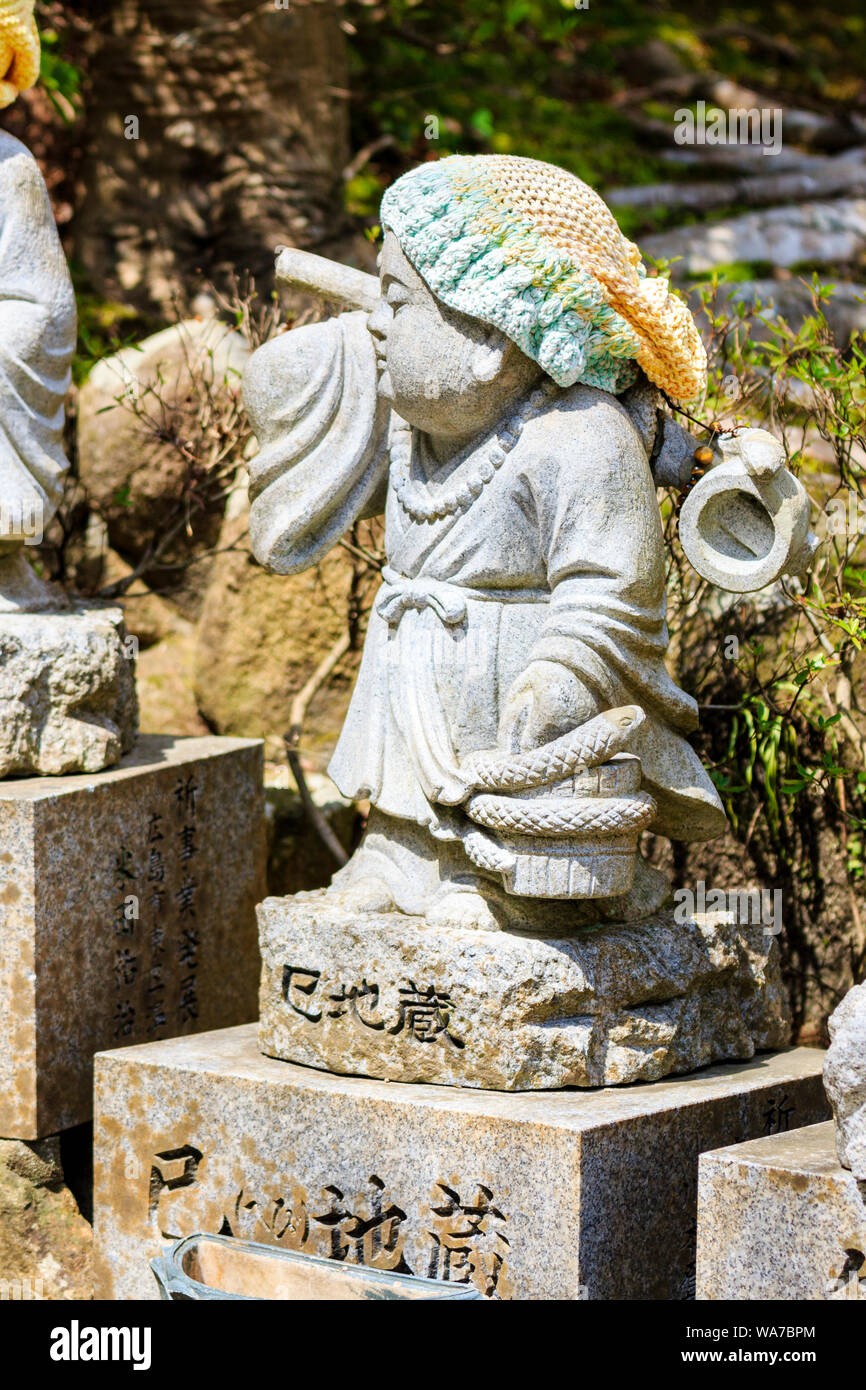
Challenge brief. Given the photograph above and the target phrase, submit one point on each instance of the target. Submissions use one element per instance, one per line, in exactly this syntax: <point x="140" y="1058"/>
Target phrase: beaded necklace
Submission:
<point x="417" y="499"/>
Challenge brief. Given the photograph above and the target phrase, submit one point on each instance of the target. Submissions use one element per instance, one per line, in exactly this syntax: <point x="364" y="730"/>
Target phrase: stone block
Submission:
<point x="554" y="1195"/>
<point x="67" y="691"/>
<point x="780" y="1218"/>
<point x="394" y="996"/>
<point x="127" y="911"/>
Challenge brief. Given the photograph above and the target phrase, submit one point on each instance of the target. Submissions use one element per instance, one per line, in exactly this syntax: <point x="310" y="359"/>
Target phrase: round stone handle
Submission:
<point x="746" y="523"/>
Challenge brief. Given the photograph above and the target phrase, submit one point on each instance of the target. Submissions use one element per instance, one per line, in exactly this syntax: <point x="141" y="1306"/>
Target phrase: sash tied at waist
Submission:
<point x="448" y="601"/>
<point x="398" y="594"/>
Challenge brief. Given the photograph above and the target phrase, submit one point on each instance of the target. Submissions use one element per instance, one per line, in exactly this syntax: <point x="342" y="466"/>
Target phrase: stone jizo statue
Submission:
<point x="37" y="340"/>
<point x="67" y="693"/>
<point x="513" y="725"/>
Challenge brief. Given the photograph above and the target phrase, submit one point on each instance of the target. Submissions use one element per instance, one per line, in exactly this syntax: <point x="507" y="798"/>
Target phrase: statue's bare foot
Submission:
<point x="464" y="909"/>
<point x="367" y="895"/>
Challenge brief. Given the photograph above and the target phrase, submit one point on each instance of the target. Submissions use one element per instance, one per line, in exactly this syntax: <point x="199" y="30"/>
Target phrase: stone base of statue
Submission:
<point x="127" y="901"/>
<point x="67" y="690"/>
<point x="394" y="996"/>
<point x="780" y="1218"/>
<point x="543" y="1195"/>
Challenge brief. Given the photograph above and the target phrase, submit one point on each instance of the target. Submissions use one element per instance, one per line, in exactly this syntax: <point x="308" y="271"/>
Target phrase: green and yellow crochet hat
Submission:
<point x="531" y="250"/>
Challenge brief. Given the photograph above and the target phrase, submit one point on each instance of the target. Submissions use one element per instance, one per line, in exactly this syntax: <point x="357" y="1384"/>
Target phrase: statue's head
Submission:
<point x="442" y="371"/>
<point x="19" y="49"/>
<point x="495" y="269"/>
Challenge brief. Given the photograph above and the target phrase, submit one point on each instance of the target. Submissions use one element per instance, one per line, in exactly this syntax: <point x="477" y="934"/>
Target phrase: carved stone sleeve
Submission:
<point x="604" y="549"/>
<point x="322" y="461"/>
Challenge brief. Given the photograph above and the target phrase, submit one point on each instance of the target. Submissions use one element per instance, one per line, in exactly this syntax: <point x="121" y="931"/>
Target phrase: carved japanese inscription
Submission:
<point x="419" y="1012"/>
<point x="456" y="1232"/>
<point x="157" y="940"/>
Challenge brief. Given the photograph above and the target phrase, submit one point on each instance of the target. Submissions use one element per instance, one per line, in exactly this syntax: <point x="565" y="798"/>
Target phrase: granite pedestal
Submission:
<point x="387" y="995"/>
<point x="127" y="912"/>
<point x="538" y="1195"/>
<point x="780" y="1218"/>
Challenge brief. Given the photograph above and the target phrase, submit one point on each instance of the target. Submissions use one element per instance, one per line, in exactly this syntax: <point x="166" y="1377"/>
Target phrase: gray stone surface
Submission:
<point x="780" y="1218"/>
<point x="559" y="1195"/>
<point x="67" y="691"/>
<point x="408" y="1000"/>
<point x="845" y="1079"/>
<point x="174" y="834"/>
<point x="791" y="300"/>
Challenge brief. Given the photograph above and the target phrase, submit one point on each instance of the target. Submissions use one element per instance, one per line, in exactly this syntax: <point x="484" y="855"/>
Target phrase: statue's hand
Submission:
<point x="545" y="701"/>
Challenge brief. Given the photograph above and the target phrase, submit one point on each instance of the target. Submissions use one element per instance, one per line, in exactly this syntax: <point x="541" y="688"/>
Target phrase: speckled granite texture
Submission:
<point x="845" y="1079"/>
<point x="780" y="1218"/>
<point x="382" y="994"/>
<point x="127" y="912"/>
<point x="553" y="1195"/>
<point x="68" y="701"/>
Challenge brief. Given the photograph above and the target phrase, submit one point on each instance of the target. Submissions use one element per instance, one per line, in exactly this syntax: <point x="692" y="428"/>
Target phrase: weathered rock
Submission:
<point x="260" y="637"/>
<point x="652" y="62"/>
<point x="147" y="616"/>
<point x="67" y="691"/>
<point x="165" y="679"/>
<point x="784" y="236"/>
<point x="236" y="149"/>
<point x="780" y="1218"/>
<point x="845" y="1079"/>
<point x="568" y="1195"/>
<point x="394" y="996"/>
<point x="45" y="1242"/>
<point x="127" y="911"/>
<point x="826" y="176"/>
<point x="134" y="473"/>
<point x="741" y="158"/>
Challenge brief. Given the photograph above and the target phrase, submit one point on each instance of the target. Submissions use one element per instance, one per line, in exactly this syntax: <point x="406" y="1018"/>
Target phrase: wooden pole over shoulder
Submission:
<point x="302" y="270"/>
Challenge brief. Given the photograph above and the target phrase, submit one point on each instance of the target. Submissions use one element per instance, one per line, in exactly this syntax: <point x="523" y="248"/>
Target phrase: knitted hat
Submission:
<point x="531" y="250"/>
<point x="19" y="49"/>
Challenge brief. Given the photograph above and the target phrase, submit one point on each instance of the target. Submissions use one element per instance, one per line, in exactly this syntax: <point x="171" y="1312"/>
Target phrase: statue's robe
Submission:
<point x="37" y="340"/>
<point x="560" y="558"/>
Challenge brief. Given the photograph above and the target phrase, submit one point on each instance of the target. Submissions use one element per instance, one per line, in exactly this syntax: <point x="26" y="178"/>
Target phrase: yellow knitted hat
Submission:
<point x="19" y="49"/>
<point x="532" y="250"/>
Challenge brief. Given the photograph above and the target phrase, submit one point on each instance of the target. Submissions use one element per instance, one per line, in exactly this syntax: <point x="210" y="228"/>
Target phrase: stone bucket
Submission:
<point x="221" y="1267"/>
<point x="574" y="838"/>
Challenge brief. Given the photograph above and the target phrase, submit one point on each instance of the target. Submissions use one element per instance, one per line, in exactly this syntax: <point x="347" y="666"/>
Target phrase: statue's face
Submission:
<point x="442" y="371"/>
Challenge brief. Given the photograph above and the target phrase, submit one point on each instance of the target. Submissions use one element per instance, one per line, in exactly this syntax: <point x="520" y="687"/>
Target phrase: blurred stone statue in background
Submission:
<point x="67" y="696"/>
<point x="514" y="725"/>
